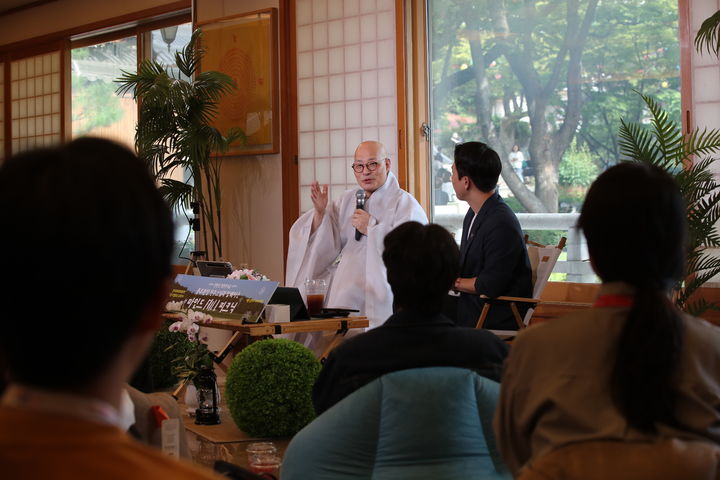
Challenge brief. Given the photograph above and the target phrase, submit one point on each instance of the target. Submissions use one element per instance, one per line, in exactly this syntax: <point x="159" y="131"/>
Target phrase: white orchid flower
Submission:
<point x="175" y="327"/>
<point x="173" y="306"/>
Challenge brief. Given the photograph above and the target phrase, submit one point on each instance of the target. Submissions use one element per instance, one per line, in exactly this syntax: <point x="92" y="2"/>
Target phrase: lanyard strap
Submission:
<point x="614" y="301"/>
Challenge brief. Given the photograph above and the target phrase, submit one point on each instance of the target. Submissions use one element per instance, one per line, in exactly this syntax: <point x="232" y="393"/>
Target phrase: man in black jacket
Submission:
<point x="422" y="264"/>
<point x="493" y="256"/>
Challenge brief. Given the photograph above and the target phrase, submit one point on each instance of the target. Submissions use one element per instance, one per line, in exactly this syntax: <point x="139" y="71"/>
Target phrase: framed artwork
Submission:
<point x="245" y="47"/>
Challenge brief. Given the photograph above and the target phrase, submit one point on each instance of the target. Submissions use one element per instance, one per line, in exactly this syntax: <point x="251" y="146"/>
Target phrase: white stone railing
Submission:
<point x="575" y="266"/>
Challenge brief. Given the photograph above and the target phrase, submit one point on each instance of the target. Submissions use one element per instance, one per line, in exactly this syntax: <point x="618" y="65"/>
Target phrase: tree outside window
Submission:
<point x="553" y="78"/>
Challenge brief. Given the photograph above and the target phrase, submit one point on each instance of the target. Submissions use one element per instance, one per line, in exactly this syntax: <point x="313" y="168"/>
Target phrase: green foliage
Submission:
<point x="94" y="104"/>
<point x="174" y="130"/>
<point x="269" y="385"/>
<point x="195" y="358"/>
<point x="546" y="237"/>
<point x="708" y="37"/>
<point x="577" y="167"/>
<point x="514" y="204"/>
<point x="687" y="158"/>
<point x="528" y="70"/>
<point x="166" y="347"/>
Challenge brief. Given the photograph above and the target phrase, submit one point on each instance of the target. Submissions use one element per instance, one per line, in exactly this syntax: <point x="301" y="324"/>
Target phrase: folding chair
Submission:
<point x="542" y="261"/>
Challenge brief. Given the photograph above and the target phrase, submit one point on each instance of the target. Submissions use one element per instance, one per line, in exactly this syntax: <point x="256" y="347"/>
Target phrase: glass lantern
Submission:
<point x="208" y="398"/>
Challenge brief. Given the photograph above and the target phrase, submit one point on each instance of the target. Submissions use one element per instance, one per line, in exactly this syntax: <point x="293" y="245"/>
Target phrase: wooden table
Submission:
<point x="339" y="325"/>
<point x="250" y="331"/>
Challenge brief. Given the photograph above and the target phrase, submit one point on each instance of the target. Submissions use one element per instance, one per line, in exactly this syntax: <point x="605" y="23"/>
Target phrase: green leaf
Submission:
<point x="687" y="158"/>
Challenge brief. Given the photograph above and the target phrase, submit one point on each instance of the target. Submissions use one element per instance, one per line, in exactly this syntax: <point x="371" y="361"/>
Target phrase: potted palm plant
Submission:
<point x="174" y="130"/>
<point x="687" y="158"/>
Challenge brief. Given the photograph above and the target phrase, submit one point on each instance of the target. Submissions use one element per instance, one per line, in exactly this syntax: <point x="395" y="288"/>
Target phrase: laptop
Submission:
<point x="214" y="269"/>
<point x="291" y="296"/>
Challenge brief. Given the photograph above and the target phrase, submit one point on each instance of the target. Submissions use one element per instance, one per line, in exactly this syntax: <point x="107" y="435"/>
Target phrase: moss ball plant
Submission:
<point x="268" y="388"/>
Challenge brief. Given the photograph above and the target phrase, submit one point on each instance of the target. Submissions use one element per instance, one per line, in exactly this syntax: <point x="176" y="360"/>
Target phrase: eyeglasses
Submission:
<point x="359" y="167"/>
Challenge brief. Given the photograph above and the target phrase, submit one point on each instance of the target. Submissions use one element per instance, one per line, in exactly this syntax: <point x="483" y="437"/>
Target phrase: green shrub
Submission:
<point x="156" y="371"/>
<point x="546" y="237"/>
<point x="577" y="167"/>
<point x="269" y="385"/>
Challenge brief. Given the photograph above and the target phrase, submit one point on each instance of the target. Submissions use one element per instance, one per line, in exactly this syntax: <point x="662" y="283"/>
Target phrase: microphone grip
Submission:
<point x="360" y="205"/>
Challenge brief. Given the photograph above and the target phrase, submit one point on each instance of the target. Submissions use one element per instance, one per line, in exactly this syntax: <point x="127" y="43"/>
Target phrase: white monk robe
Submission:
<point x="354" y="269"/>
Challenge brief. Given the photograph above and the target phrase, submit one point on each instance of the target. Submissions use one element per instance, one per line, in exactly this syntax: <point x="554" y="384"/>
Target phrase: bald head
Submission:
<point x="372" y="147"/>
<point x="372" y="157"/>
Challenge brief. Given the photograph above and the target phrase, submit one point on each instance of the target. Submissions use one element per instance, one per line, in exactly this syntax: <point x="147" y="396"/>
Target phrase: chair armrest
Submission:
<point x="516" y="299"/>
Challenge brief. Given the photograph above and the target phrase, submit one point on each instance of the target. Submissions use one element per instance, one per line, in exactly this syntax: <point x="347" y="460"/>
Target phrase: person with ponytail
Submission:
<point x="632" y="368"/>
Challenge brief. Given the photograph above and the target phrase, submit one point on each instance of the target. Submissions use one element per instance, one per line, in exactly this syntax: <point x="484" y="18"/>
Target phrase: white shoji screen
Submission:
<point x="706" y="72"/>
<point x="346" y="88"/>
<point x="35" y="96"/>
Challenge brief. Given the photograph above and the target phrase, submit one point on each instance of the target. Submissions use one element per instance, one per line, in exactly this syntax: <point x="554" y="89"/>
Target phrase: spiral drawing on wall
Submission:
<point x="235" y="106"/>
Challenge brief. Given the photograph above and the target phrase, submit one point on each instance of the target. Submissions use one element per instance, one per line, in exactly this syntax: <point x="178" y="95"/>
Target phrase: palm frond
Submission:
<point x="665" y="146"/>
<point x="177" y="194"/>
<point x="174" y="129"/>
<point x="708" y="37"/>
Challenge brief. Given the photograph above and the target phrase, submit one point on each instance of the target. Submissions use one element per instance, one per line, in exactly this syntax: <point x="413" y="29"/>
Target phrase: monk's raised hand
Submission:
<point x="319" y="196"/>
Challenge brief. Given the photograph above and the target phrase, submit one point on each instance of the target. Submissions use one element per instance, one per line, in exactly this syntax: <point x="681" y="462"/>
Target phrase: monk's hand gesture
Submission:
<point x="319" y="197"/>
<point x="359" y="220"/>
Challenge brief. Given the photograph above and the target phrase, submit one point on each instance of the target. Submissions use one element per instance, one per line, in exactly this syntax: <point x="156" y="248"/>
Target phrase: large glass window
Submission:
<point x="98" y="110"/>
<point x="165" y="43"/>
<point x="544" y="83"/>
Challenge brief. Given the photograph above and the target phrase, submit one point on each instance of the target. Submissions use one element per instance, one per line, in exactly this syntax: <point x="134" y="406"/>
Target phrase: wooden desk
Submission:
<point x="251" y="331"/>
<point x="339" y="325"/>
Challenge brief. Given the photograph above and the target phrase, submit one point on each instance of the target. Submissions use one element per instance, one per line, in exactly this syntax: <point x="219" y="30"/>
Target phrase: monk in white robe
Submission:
<point x="323" y="244"/>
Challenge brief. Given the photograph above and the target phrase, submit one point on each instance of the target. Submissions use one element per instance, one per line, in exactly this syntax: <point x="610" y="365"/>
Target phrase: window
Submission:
<point x="98" y="110"/>
<point x="544" y="84"/>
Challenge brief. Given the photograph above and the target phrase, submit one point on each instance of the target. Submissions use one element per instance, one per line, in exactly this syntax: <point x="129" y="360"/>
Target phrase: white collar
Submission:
<point x="69" y="405"/>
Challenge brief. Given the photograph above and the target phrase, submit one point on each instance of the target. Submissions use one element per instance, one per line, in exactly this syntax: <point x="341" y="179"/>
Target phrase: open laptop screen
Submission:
<point x="214" y="269"/>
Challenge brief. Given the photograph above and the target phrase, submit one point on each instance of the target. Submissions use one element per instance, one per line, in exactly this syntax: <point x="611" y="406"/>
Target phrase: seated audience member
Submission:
<point x="633" y="368"/>
<point x="493" y="256"/>
<point x="422" y="263"/>
<point x="71" y="349"/>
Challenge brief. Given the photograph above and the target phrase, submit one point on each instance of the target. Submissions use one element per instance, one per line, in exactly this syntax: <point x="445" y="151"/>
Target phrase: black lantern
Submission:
<point x="207" y="394"/>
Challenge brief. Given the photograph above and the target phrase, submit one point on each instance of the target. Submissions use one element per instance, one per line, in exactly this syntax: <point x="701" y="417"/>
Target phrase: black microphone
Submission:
<point x="359" y="203"/>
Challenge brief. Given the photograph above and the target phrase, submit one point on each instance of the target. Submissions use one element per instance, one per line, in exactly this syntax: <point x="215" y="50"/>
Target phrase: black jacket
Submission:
<point x="495" y="253"/>
<point x="406" y="340"/>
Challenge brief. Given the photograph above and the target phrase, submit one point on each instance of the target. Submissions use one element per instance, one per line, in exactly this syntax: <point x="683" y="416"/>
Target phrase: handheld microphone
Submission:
<point x="359" y="204"/>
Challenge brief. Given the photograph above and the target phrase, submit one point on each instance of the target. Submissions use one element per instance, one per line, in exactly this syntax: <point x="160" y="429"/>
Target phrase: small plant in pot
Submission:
<point x="196" y="365"/>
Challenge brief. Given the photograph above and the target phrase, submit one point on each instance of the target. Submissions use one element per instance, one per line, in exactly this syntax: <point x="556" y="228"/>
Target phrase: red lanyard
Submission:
<point x="613" y="301"/>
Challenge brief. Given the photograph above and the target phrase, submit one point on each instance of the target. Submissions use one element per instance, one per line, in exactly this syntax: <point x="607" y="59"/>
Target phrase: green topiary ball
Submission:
<point x="269" y="385"/>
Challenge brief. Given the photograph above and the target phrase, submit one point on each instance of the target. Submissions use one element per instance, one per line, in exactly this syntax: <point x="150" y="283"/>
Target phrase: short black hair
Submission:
<point x="479" y="162"/>
<point x="422" y="264"/>
<point x="87" y="235"/>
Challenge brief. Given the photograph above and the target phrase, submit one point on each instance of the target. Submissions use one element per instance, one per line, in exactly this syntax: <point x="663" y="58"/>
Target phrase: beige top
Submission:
<point x="555" y="385"/>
